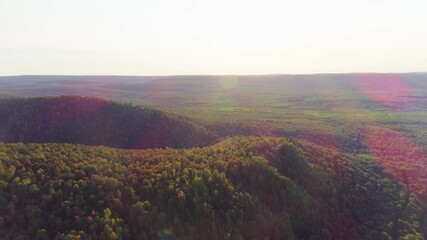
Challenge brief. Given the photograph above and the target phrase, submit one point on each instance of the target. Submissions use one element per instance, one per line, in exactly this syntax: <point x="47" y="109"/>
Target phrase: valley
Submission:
<point x="327" y="156"/>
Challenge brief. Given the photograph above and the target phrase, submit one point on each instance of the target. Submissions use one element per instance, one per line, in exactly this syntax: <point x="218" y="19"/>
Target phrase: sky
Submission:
<point x="165" y="37"/>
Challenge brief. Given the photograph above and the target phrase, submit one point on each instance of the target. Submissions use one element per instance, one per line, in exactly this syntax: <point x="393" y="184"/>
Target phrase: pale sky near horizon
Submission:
<point x="164" y="37"/>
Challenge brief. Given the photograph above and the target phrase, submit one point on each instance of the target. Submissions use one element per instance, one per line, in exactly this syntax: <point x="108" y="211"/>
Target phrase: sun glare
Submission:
<point x="228" y="82"/>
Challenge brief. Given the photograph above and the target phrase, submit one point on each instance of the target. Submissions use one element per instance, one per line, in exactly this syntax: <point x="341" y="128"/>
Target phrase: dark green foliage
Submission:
<point x="386" y="199"/>
<point x="240" y="188"/>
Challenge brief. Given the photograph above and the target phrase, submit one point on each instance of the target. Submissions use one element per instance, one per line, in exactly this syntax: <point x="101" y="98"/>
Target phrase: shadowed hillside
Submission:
<point x="94" y="121"/>
<point x="317" y="106"/>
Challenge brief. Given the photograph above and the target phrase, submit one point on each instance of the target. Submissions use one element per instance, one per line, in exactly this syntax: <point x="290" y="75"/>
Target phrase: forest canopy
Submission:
<point x="240" y="188"/>
<point x="96" y="121"/>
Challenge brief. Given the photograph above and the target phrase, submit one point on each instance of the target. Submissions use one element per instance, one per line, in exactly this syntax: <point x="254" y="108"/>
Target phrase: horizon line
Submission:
<point x="205" y="75"/>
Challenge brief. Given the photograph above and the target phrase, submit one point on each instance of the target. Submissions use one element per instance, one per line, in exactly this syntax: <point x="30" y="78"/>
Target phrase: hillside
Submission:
<point x="313" y="106"/>
<point x="353" y="169"/>
<point x="94" y="121"/>
<point x="240" y="188"/>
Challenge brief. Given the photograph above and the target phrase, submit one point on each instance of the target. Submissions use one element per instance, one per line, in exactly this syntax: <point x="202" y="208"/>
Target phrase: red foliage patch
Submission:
<point x="400" y="157"/>
<point x="328" y="140"/>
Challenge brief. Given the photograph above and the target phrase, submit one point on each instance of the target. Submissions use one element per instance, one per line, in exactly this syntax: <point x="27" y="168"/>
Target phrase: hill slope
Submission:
<point x="240" y="188"/>
<point x="307" y="106"/>
<point x="94" y="121"/>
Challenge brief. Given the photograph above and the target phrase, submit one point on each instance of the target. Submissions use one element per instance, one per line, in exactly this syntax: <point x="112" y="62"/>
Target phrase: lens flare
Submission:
<point x="387" y="90"/>
<point x="228" y="82"/>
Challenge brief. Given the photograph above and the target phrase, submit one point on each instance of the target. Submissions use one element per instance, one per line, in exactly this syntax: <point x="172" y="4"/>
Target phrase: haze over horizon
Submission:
<point x="192" y="37"/>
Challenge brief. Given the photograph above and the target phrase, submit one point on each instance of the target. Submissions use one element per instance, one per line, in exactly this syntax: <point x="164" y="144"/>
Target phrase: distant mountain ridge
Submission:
<point x="96" y="121"/>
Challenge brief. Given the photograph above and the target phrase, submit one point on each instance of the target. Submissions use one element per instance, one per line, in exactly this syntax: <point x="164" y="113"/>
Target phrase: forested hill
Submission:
<point x="240" y="188"/>
<point x="94" y="121"/>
